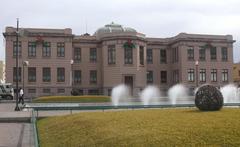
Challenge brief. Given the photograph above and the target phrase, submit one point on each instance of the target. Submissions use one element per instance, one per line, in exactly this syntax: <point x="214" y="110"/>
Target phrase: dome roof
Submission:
<point x="113" y="28"/>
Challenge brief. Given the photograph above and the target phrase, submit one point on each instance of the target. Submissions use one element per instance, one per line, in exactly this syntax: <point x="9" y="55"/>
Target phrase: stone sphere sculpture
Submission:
<point x="208" y="98"/>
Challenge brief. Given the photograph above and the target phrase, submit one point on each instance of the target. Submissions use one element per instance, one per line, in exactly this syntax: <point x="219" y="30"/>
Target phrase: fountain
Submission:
<point x="119" y="94"/>
<point x="176" y="92"/>
<point x="230" y="93"/>
<point x="150" y="95"/>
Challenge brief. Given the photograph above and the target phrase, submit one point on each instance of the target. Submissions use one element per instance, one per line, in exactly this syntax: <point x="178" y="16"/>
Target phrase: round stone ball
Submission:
<point x="208" y="98"/>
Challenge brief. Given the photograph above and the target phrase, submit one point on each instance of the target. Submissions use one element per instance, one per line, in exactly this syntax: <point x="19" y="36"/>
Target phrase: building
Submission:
<point x="2" y="72"/>
<point x="236" y="73"/>
<point x="60" y="61"/>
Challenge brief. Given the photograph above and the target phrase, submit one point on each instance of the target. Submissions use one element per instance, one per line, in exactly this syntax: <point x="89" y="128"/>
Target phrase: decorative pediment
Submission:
<point x="129" y="44"/>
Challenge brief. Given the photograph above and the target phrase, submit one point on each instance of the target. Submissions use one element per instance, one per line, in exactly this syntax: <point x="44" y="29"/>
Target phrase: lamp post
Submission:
<point x="196" y="65"/>
<point x="71" y="73"/>
<point x="24" y="63"/>
<point x="17" y="70"/>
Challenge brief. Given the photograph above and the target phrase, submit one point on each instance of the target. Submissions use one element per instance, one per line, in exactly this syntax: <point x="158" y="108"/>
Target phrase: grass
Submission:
<point x="72" y="99"/>
<point x="152" y="127"/>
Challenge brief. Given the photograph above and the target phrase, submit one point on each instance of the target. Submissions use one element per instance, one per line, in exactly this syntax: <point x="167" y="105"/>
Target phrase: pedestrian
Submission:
<point x="21" y="94"/>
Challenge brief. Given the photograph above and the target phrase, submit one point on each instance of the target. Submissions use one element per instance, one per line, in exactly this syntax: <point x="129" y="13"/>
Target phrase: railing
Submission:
<point x="35" y="131"/>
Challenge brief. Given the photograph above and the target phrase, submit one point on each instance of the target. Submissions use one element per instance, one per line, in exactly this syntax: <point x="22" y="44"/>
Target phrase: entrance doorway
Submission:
<point x="128" y="80"/>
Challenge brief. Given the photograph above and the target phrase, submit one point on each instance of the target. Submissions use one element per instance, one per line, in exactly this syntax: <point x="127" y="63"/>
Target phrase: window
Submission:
<point x="77" y="76"/>
<point x="239" y="73"/>
<point x="225" y="75"/>
<point x="163" y="76"/>
<point x="214" y="75"/>
<point x="141" y="55"/>
<point x="191" y="75"/>
<point x="149" y="56"/>
<point x="175" y="55"/>
<point x="109" y="92"/>
<point x="77" y="55"/>
<point x="93" y="76"/>
<point x="213" y="53"/>
<point x="163" y="56"/>
<point x="128" y="55"/>
<point x="32" y="90"/>
<point x="93" y="55"/>
<point x="60" y="49"/>
<point x="60" y="90"/>
<point x="15" y="48"/>
<point x="31" y="49"/>
<point x="111" y="54"/>
<point x="224" y="54"/>
<point x="46" y="52"/>
<point x="149" y="77"/>
<point x="202" y="75"/>
<point x="46" y="90"/>
<point x="31" y="74"/>
<point x="93" y="92"/>
<point x="190" y="53"/>
<point x="202" y="54"/>
<point x="175" y="76"/>
<point x="15" y="74"/>
<point x="46" y="73"/>
<point x="60" y="74"/>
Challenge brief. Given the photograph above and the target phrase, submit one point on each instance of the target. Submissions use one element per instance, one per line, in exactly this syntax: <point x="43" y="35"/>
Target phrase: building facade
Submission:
<point x="61" y="62"/>
<point x="2" y="72"/>
<point x="236" y="73"/>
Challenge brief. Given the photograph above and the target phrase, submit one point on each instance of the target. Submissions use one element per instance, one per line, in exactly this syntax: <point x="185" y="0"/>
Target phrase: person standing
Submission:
<point x="21" y="94"/>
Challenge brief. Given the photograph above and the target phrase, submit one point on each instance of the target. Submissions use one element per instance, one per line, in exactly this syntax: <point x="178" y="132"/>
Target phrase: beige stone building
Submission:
<point x="2" y="72"/>
<point x="60" y="61"/>
<point x="236" y="73"/>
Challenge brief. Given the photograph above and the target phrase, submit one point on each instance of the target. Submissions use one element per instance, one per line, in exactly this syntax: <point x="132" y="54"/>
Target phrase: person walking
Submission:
<point x="21" y="94"/>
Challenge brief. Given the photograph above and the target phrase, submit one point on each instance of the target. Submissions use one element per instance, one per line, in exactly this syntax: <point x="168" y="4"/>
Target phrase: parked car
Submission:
<point x="6" y="91"/>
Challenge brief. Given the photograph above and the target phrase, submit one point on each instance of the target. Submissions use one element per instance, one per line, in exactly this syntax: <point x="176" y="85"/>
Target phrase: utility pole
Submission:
<point x="17" y="70"/>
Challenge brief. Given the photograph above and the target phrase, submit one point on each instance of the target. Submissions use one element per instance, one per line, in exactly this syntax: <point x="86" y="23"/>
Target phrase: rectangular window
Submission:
<point x="202" y="54"/>
<point x="15" y="48"/>
<point x="60" y="49"/>
<point x="31" y="49"/>
<point x="32" y="90"/>
<point x="111" y="54"/>
<point x="15" y="74"/>
<point x="60" y="90"/>
<point x="46" y="90"/>
<point x="202" y="75"/>
<point x="149" y="77"/>
<point x="163" y="56"/>
<point x="224" y="54"/>
<point x="31" y="74"/>
<point x="225" y="75"/>
<point x="213" y="53"/>
<point x="214" y="75"/>
<point x="190" y="53"/>
<point x="163" y="76"/>
<point x="60" y="74"/>
<point x="149" y="56"/>
<point x="77" y="55"/>
<point x="175" y="55"/>
<point x="191" y="75"/>
<point x="77" y="76"/>
<point x="239" y="73"/>
<point x="128" y="55"/>
<point x="93" y="55"/>
<point x="46" y="51"/>
<point x="46" y="73"/>
<point x="141" y="55"/>
<point x="175" y="76"/>
<point x="93" y="92"/>
<point x="93" y="77"/>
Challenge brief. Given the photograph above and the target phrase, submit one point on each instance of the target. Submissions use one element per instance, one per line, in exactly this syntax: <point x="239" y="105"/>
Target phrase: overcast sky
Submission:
<point x="155" y="18"/>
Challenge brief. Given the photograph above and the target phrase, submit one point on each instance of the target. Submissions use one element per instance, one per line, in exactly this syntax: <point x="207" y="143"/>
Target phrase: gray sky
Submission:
<point x="155" y="18"/>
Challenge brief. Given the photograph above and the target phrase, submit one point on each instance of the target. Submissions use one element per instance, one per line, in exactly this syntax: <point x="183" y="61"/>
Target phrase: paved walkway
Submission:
<point x="15" y="131"/>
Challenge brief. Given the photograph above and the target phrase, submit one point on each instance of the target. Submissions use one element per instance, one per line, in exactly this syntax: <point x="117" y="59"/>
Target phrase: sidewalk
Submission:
<point x="15" y="127"/>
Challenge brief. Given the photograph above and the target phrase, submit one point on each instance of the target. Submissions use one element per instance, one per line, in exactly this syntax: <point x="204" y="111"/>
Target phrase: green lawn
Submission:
<point x="152" y="127"/>
<point x="73" y="99"/>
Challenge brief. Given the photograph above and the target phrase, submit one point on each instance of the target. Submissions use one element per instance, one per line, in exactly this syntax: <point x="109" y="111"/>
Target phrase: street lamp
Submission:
<point x="71" y="73"/>
<point x="196" y="65"/>
<point x="24" y="63"/>
<point x="17" y="70"/>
